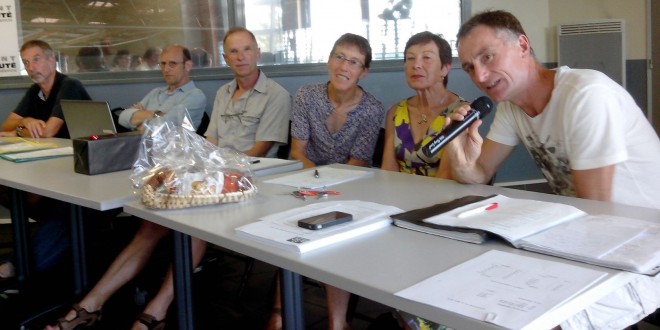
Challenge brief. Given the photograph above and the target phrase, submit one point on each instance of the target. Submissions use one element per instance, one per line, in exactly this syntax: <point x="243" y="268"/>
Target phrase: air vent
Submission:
<point x="615" y="26"/>
<point x="597" y="45"/>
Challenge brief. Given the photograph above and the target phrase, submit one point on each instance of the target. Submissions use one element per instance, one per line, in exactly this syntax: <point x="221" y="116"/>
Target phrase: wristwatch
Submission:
<point x="158" y="113"/>
<point x="19" y="130"/>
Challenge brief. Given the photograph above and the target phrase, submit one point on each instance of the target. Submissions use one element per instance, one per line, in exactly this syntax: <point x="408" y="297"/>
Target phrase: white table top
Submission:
<point x="55" y="178"/>
<point x="381" y="263"/>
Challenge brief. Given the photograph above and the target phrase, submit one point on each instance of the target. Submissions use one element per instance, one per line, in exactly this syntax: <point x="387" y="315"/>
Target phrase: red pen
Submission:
<point x="477" y="210"/>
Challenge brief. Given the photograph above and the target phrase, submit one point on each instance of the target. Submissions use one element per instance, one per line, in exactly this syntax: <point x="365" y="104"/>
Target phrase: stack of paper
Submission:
<point x="320" y="177"/>
<point x="13" y="145"/>
<point x="611" y="241"/>
<point x="20" y="157"/>
<point x="281" y="229"/>
<point x="506" y="289"/>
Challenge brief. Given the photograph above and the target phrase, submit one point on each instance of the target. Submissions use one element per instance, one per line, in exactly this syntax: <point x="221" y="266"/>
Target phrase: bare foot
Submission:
<point x="7" y="270"/>
<point x="275" y="320"/>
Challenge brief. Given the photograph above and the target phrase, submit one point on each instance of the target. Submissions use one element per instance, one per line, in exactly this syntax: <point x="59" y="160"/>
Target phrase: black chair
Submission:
<point x="204" y="124"/>
<point x="121" y="129"/>
<point x="284" y="150"/>
<point x="115" y="117"/>
<point x="377" y="159"/>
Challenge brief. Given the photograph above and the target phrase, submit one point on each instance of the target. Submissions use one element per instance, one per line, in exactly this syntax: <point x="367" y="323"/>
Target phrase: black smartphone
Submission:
<point x="325" y="220"/>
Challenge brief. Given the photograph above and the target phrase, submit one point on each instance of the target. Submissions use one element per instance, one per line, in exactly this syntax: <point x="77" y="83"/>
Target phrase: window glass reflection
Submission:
<point x="114" y="36"/>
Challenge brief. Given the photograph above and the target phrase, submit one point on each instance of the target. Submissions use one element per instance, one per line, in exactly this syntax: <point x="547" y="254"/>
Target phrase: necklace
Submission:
<point x="424" y="116"/>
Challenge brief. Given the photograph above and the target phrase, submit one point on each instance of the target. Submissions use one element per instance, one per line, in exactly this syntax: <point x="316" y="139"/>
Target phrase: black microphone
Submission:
<point x="478" y="109"/>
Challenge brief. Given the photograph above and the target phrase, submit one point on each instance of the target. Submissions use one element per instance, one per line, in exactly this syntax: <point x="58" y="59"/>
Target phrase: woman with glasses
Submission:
<point x="336" y="122"/>
<point x="413" y="122"/>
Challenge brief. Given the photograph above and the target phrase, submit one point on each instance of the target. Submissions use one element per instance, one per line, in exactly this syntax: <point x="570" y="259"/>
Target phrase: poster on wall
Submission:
<point x="9" y="54"/>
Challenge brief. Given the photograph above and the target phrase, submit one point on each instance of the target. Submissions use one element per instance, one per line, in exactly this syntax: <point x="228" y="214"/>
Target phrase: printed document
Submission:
<point x="21" y="157"/>
<point x="320" y="177"/>
<point x="12" y="145"/>
<point x="502" y="288"/>
<point x="281" y="229"/>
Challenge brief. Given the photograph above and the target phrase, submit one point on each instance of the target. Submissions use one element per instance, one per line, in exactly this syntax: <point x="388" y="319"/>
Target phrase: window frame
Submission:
<point x="221" y="72"/>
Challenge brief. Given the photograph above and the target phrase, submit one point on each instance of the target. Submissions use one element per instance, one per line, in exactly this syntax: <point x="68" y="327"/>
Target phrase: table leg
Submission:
<point x="78" y="250"/>
<point x="293" y="317"/>
<point x="19" y="223"/>
<point x="182" y="272"/>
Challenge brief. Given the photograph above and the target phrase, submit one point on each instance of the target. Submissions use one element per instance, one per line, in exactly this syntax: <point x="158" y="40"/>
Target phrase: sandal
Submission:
<point x="150" y="322"/>
<point x="83" y="319"/>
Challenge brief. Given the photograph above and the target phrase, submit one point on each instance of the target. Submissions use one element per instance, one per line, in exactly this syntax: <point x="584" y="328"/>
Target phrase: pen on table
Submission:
<point x="316" y="174"/>
<point x="477" y="210"/>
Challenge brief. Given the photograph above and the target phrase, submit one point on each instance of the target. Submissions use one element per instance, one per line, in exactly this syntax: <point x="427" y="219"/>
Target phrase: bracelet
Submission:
<point x="19" y="130"/>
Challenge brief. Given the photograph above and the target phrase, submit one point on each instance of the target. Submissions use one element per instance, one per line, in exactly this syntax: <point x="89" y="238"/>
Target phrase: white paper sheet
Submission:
<point x="281" y="229"/>
<point x="328" y="176"/>
<point x="502" y="288"/>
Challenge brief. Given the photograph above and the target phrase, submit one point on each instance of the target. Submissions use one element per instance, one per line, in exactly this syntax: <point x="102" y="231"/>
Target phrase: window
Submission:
<point x="303" y="31"/>
<point x="288" y="31"/>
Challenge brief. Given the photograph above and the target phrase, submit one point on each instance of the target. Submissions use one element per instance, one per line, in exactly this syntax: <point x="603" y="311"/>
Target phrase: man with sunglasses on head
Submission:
<point x="180" y="92"/>
<point x="251" y="113"/>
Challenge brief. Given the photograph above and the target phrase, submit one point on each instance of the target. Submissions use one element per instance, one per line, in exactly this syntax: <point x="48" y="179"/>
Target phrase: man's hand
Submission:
<point x="34" y="126"/>
<point x="465" y="149"/>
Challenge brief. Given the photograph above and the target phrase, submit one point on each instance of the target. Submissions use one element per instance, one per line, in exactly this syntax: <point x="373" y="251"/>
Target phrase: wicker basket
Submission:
<point x="156" y="200"/>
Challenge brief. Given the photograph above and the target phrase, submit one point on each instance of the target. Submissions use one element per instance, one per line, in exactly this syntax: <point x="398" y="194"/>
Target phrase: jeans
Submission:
<point x="52" y="239"/>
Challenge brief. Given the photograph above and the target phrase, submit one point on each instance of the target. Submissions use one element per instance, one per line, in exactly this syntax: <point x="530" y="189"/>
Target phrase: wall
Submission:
<point x="541" y="17"/>
<point x="386" y="81"/>
<point x="534" y="15"/>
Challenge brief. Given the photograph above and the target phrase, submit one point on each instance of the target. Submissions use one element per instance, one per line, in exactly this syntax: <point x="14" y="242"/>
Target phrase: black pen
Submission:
<point x="256" y="161"/>
<point x="316" y="174"/>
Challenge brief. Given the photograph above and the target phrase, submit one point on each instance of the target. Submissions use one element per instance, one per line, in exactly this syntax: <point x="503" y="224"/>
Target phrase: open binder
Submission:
<point x="545" y="227"/>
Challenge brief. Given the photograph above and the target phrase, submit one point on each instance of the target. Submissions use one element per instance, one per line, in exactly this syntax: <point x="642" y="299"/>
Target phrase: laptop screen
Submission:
<point x="86" y="118"/>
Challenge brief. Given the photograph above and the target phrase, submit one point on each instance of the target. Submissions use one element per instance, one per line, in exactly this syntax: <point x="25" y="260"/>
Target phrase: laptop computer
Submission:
<point x="87" y="118"/>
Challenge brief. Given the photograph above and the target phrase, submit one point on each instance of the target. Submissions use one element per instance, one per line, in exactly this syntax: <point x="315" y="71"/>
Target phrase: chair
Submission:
<point x="377" y="159"/>
<point x="284" y="150"/>
<point x="204" y="124"/>
<point x="216" y="254"/>
<point x="115" y="117"/>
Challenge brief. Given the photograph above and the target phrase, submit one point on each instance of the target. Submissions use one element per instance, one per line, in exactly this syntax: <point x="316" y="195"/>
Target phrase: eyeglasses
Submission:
<point x="170" y="64"/>
<point x="232" y="113"/>
<point x="341" y="58"/>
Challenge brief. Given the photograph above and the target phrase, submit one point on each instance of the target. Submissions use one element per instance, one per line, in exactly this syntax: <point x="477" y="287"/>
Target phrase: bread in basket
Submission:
<point x="166" y="189"/>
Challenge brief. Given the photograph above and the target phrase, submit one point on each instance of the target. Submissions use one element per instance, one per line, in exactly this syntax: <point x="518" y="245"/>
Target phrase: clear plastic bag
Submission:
<point x="177" y="168"/>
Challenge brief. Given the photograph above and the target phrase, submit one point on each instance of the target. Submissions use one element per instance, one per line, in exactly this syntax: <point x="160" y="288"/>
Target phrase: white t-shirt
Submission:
<point x="589" y="122"/>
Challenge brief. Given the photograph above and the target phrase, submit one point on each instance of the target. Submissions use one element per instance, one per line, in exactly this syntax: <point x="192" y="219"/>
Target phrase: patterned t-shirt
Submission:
<point x="356" y="139"/>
